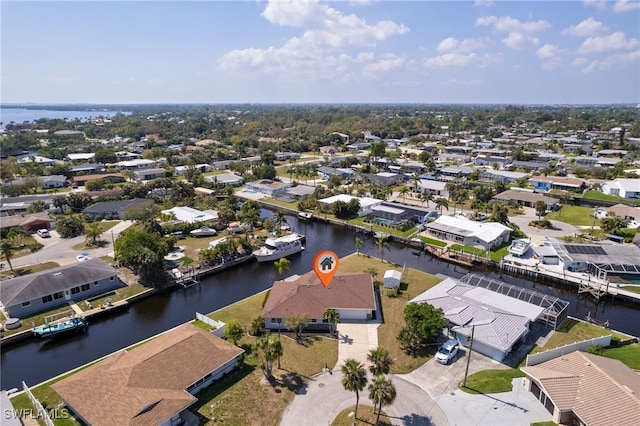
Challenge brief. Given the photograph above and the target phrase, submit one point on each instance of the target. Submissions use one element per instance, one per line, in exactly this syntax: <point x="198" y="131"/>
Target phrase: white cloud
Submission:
<point x="509" y="24"/>
<point x="550" y="54"/>
<point x="599" y="4"/>
<point x="319" y="49"/>
<point x="615" y="41"/>
<point x="454" y="82"/>
<point x="617" y="60"/>
<point x="579" y="61"/>
<point x="460" y="60"/>
<point x="622" y="6"/>
<point x="386" y="64"/>
<point x="483" y="3"/>
<point x="451" y="44"/>
<point x="520" y="41"/>
<point x="588" y="27"/>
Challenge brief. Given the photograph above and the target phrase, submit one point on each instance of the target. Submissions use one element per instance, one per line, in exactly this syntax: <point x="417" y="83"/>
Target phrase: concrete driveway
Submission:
<point x="537" y="235"/>
<point x="355" y="341"/>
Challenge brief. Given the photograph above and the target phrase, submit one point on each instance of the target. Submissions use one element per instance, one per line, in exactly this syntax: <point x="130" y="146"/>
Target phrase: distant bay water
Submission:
<point x="21" y="115"/>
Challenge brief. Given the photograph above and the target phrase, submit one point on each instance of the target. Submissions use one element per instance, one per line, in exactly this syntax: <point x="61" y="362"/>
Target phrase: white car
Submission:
<point x="43" y="233"/>
<point x="82" y="258"/>
<point x="447" y="351"/>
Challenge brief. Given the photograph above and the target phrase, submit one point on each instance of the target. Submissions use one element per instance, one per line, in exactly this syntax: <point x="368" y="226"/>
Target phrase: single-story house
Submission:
<point x="37" y="159"/>
<point x="387" y="178"/>
<point x="350" y="294"/>
<point x="390" y="213"/>
<point x="464" y="150"/>
<point x="300" y="192"/>
<point x="482" y="160"/>
<point x="81" y="156"/>
<point x="26" y="295"/>
<point x="136" y="164"/>
<point x="327" y="172"/>
<point x="202" y="168"/>
<point x="28" y="222"/>
<point x="148" y="174"/>
<point x="12" y="209"/>
<point x="151" y="384"/>
<point x="585" y="389"/>
<point x="597" y="161"/>
<point x="190" y="215"/>
<point x="86" y="168"/>
<point x="46" y="182"/>
<point x="468" y="232"/>
<point x="226" y="179"/>
<point x="600" y="260"/>
<point x="435" y="187"/>
<point x="499" y="321"/>
<point x="366" y="203"/>
<point x="526" y="198"/>
<point x="268" y="187"/>
<point x="502" y="176"/>
<point x="630" y="214"/>
<point x="625" y="188"/>
<point x="108" y="177"/>
<point x="453" y="172"/>
<point x="547" y="183"/>
<point x="283" y="156"/>
<point x="115" y="209"/>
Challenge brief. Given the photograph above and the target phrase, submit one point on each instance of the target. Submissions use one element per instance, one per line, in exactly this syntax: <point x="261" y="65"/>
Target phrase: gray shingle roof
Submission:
<point x="32" y="286"/>
<point x="119" y="206"/>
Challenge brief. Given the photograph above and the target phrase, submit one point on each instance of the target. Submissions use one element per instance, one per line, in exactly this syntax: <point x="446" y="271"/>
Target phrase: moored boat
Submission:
<point x="519" y="247"/>
<point x="52" y="330"/>
<point x="276" y="248"/>
<point x="203" y="232"/>
<point x="305" y="215"/>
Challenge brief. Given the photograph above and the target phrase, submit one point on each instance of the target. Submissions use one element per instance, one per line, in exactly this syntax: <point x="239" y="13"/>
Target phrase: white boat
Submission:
<point x="305" y="215"/>
<point x="214" y="243"/>
<point x="203" y="232"/>
<point x="276" y="248"/>
<point x="519" y="247"/>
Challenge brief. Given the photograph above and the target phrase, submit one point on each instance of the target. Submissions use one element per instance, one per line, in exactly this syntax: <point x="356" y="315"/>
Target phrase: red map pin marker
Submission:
<point x="325" y="264"/>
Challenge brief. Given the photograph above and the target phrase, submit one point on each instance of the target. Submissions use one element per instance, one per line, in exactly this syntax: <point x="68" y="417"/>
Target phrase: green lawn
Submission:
<point x="491" y="381"/>
<point x="366" y="416"/>
<point x="413" y="283"/>
<point x="18" y="272"/>
<point x="433" y="242"/>
<point x="388" y="230"/>
<point x="597" y="195"/>
<point x="572" y="331"/>
<point x="634" y="288"/>
<point x="629" y="355"/>
<point x="573" y="215"/>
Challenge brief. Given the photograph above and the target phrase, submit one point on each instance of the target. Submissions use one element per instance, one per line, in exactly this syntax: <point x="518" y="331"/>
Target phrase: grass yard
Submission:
<point x="573" y="215"/>
<point x="243" y="398"/>
<point x="18" y="272"/>
<point x="469" y="249"/>
<point x="572" y="331"/>
<point x="115" y="296"/>
<point x="433" y="242"/>
<point x="491" y="381"/>
<point x="413" y="283"/>
<point x="597" y="195"/>
<point x="388" y="230"/>
<point x="366" y="416"/>
<point x="629" y="355"/>
<point x="634" y="288"/>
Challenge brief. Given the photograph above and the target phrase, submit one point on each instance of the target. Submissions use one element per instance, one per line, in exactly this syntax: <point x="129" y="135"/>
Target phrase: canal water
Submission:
<point x="35" y="362"/>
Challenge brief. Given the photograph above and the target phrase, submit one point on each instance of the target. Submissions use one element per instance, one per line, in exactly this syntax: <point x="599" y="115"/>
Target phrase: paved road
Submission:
<point x="561" y="229"/>
<point x="60" y="250"/>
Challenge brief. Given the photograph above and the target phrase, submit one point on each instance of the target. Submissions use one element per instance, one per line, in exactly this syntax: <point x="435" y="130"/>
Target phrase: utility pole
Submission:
<point x="466" y="371"/>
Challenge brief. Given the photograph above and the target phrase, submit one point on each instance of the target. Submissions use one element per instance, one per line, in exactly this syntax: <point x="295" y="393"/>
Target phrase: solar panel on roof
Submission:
<point x="585" y="250"/>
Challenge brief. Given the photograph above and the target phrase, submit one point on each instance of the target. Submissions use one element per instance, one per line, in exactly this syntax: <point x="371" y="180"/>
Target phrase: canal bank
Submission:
<point x="36" y="362"/>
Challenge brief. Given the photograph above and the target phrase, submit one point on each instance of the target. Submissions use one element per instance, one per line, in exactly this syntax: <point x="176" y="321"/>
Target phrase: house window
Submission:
<point x="110" y="279"/>
<point x="313" y="320"/>
<point x="57" y="295"/>
<point x="273" y="321"/>
<point x="47" y="298"/>
<point x="27" y="303"/>
<point x="75" y="290"/>
<point x="85" y="287"/>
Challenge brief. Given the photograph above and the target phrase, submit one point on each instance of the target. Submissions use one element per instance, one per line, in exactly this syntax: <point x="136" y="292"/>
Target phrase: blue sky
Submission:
<point x="360" y="51"/>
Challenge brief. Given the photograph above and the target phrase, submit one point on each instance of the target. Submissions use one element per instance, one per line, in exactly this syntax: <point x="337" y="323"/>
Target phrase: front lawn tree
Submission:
<point x="93" y="233"/>
<point x="355" y="378"/>
<point x="234" y="331"/>
<point x="333" y="318"/>
<point x="297" y="323"/>
<point x="422" y="322"/>
<point x="382" y="243"/>
<point x="7" y="249"/>
<point x="612" y="224"/>
<point x="382" y="392"/>
<point x="380" y="361"/>
<point x="144" y="253"/>
<point x="541" y="209"/>
<point x="269" y="349"/>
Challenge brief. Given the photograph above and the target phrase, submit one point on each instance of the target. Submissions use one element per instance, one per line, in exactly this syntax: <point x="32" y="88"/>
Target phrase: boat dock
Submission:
<point x="191" y="275"/>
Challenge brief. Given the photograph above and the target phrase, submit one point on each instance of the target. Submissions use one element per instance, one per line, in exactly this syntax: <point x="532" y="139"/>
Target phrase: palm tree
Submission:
<point x="282" y="265"/>
<point x="279" y="218"/>
<point x="416" y="179"/>
<point x="358" y="243"/>
<point x="612" y="224"/>
<point x="380" y="361"/>
<point x="442" y="202"/>
<point x="59" y="202"/>
<point x="381" y="392"/>
<point x="93" y="232"/>
<point x="382" y="243"/>
<point x="129" y="175"/>
<point x="270" y="349"/>
<point x="355" y="378"/>
<point x="7" y="249"/>
<point x="403" y="192"/>
<point x="427" y="196"/>
<point x="372" y="271"/>
<point x="332" y="317"/>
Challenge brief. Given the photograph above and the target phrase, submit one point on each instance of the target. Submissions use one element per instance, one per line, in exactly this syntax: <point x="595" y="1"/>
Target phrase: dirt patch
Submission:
<point x="127" y="276"/>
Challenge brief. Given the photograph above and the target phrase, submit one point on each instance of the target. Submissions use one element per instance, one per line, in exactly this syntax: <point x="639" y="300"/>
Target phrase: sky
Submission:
<point x="312" y="51"/>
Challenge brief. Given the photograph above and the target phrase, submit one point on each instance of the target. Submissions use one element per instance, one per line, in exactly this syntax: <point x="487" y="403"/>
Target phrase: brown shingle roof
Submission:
<point x="601" y="391"/>
<point x="146" y="385"/>
<point x="624" y="210"/>
<point x="309" y="296"/>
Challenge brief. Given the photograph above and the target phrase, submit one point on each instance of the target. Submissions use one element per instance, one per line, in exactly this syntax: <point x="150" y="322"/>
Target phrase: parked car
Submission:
<point x="43" y="233"/>
<point x="447" y="351"/>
